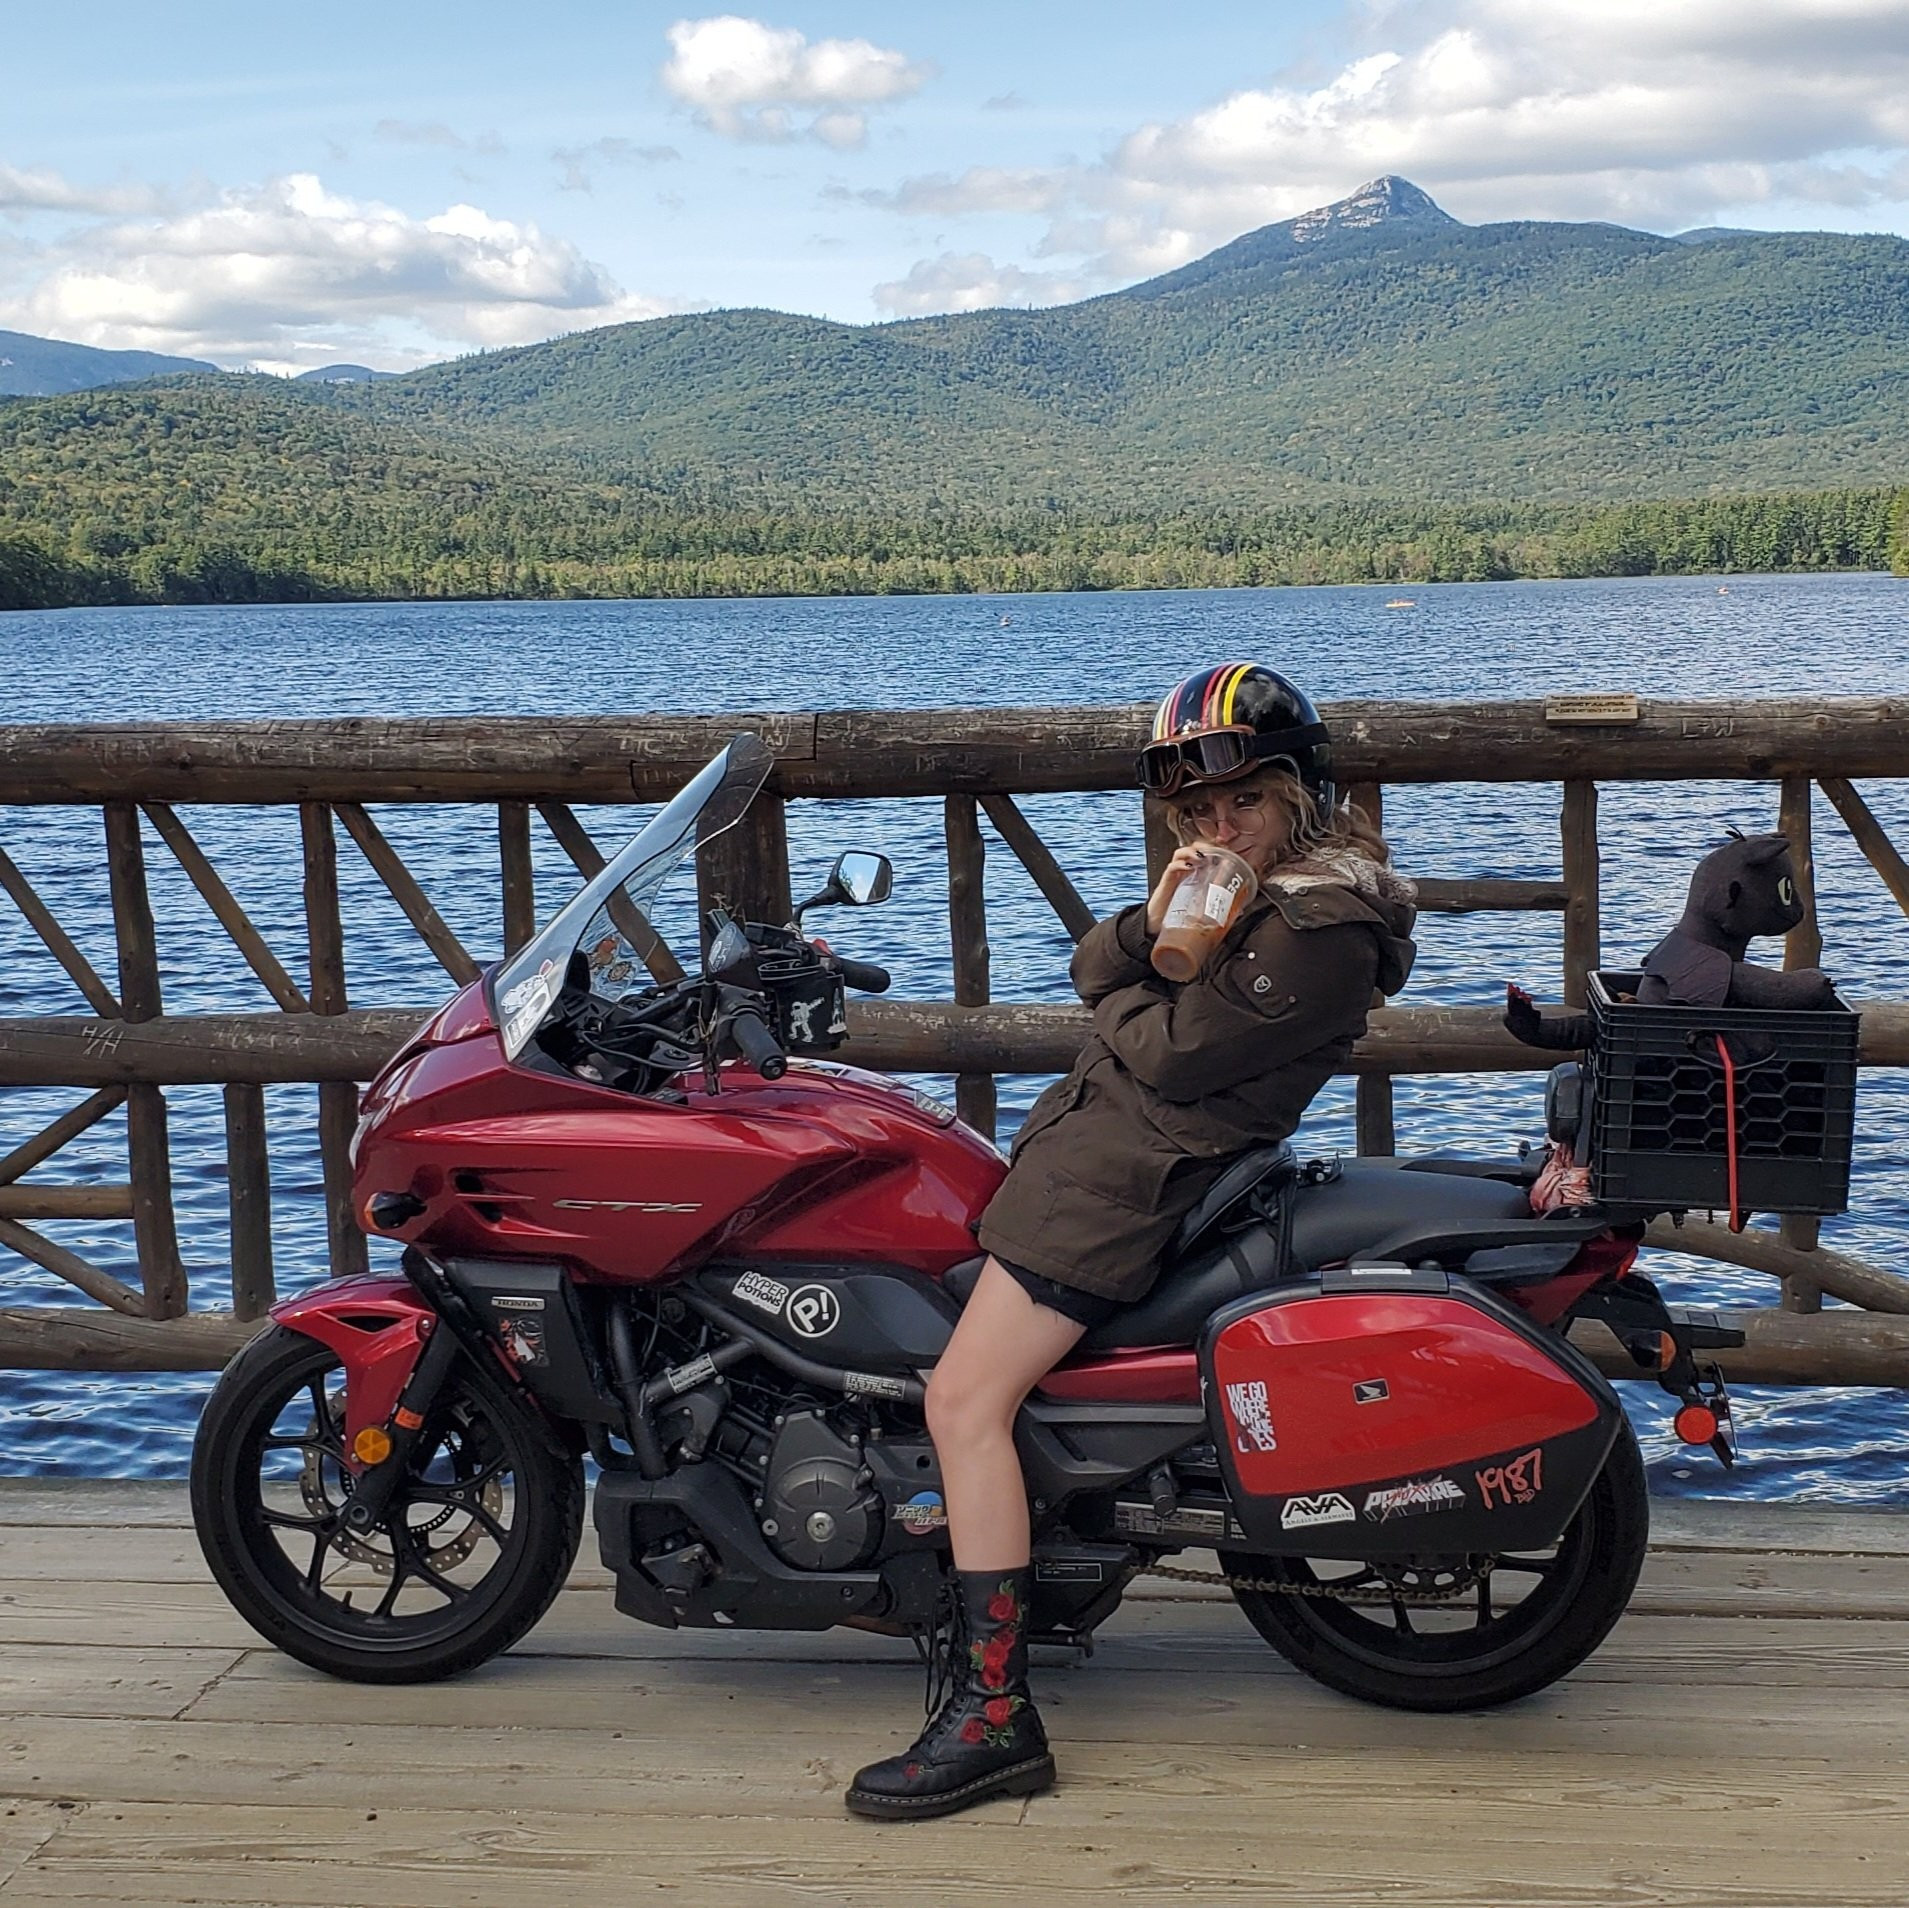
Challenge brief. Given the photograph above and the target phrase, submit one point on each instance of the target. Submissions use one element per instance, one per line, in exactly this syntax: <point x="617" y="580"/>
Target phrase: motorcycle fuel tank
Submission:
<point x="1393" y="1412"/>
<point x="497" y="1160"/>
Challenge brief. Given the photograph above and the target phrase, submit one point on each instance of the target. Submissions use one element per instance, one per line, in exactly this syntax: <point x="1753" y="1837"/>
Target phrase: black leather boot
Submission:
<point x="986" y="1738"/>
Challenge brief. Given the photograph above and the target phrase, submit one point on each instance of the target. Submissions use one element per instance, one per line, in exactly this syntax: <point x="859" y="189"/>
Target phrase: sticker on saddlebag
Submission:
<point x="1252" y="1416"/>
<point x="1307" y="1513"/>
<point x="1414" y="1499"/>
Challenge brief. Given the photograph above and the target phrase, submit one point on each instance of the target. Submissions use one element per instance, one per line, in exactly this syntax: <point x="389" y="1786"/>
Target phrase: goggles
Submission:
<point x="1218" y="755"/>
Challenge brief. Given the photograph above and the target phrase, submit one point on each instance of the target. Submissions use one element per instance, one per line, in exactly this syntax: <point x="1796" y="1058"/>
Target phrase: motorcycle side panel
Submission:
<point x="532" y="1313"/>
<point x="378" y="1326"/>
<point x="1401" y="1422"/>
<point x="891" y="1320"/>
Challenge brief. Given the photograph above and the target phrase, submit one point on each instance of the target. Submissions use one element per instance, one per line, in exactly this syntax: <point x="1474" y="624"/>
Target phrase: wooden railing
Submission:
<point x="976" y="761"/>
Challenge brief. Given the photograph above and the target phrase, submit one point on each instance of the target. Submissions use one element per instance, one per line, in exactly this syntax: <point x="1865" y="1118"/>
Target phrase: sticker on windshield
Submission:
<point x="527" y="1003"/>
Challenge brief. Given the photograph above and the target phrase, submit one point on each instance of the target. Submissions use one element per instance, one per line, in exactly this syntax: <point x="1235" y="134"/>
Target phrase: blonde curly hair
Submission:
<point x="1309" y="829"/>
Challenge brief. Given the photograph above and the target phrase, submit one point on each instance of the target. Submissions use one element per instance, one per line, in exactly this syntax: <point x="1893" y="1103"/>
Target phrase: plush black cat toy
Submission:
<point x="1740" y="891"/>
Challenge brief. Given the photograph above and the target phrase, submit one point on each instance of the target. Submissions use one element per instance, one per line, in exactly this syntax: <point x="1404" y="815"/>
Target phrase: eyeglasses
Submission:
<point x="1218" y="755"/>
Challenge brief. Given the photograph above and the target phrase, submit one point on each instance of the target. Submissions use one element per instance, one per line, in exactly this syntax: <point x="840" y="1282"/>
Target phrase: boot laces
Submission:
<point x="939" y="1647"/>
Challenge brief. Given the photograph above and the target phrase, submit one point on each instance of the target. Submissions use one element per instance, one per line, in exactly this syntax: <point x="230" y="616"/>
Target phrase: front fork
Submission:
<point x="1667" y="1341"/>
<point x="387" y="1448"/>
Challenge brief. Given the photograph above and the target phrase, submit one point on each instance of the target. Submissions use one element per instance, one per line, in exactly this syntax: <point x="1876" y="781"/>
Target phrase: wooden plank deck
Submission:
<point x="1743" y="1739"/>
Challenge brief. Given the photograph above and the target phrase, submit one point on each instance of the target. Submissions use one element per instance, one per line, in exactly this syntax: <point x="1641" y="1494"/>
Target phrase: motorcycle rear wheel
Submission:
<point x="1480" y="1650"/>
<point x="479" y="1538"/>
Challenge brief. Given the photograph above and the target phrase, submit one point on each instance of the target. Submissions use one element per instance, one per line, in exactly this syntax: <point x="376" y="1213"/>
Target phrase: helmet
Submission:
<point x="1223" y="722"/>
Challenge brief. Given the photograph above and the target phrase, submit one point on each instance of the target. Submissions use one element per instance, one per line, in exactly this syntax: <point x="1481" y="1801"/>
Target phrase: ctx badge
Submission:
<point x="1262" y="983"/>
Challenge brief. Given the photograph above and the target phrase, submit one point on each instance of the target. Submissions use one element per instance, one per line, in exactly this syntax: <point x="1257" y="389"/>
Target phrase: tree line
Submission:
<point x="679" y="548"/>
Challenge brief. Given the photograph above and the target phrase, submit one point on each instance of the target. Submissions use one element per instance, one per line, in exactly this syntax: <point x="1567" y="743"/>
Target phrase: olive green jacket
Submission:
<point x="1177" y="1081"/>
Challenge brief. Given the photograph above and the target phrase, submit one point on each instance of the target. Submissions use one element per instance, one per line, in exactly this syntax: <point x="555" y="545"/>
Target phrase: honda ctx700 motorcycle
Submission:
<point x="642" y="1222"/>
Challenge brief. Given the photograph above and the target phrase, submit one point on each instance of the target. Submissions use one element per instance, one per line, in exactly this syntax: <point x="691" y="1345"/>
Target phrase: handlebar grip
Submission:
<point x="864" y="976"/>
<point x="758" y="1046"/>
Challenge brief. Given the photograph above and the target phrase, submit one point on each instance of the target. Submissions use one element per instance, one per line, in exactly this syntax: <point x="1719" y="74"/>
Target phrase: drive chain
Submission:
<point x="1364" y="1595"/>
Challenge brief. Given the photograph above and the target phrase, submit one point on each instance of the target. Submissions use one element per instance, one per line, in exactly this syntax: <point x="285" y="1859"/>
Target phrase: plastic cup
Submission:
<point x="1211" y="896"/>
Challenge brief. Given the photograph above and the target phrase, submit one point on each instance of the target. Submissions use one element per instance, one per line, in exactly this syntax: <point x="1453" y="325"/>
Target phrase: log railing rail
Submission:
<point x="977" y="762"/>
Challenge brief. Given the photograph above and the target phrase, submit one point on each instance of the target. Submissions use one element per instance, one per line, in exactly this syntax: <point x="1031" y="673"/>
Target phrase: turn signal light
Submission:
<point x="372" y="1445"/>
<point x="1695" y="1424"/>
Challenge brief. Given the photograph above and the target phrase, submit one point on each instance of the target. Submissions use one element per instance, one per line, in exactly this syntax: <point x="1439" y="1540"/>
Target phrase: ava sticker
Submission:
<point x="1517" y="1481"/>
<point x="1414" y="1499"/>
<point x="765" y="1294"/>
<point x="1252" y="1417"/>
<point x="1307" y="1513"/>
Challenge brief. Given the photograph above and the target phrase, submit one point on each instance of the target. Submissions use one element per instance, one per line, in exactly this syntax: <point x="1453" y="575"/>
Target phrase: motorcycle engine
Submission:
<point x="818" y="1510"/>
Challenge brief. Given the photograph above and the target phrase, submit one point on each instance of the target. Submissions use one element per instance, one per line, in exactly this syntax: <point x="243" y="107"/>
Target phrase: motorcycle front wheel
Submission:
<point x="478" y="1540"/>
<point x="1516" y="1624"/>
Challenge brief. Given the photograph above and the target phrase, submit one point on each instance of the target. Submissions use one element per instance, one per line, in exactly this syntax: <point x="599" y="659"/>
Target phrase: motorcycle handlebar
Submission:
<point x="758" y="1045"/>
<point x="864" y="976"/>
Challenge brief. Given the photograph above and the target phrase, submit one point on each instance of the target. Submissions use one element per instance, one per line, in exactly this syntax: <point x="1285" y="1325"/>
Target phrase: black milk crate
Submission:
<point x="1658" y="1104"/>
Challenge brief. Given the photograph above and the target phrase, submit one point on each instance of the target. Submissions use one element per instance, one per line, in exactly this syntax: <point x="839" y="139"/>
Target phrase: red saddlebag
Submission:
<point x="1386" y="1412"/>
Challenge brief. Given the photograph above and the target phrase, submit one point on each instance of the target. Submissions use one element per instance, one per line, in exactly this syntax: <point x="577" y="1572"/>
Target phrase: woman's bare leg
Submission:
<point x="1002" y="1346"/>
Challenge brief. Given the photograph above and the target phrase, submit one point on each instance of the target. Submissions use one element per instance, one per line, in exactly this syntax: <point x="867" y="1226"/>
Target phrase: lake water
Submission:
<point x="1757" y="636"/>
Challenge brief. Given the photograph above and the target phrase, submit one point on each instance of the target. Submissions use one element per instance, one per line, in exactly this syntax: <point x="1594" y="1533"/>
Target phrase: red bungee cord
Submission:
<point x="1738" y="1218"/>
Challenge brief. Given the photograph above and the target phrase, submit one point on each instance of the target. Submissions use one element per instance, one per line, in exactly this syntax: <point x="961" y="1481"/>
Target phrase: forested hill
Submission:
<point x="1371" y="392"/>
<point x="44" y="367"/>
<point x="1377" y="348"/>
<point x="242" y="490"/>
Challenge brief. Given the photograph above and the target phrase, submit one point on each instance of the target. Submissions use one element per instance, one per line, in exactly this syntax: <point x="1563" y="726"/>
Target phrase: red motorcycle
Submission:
<point x="644" y="1223"/>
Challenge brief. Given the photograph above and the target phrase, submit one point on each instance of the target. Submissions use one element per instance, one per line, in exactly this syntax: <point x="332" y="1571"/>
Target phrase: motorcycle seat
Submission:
<point x="1365" y="1202"/>
<point x="1370" y="1199"/>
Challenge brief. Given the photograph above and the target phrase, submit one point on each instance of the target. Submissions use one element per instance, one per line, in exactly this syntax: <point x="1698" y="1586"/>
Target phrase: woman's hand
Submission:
<point x="1170" y="878"/>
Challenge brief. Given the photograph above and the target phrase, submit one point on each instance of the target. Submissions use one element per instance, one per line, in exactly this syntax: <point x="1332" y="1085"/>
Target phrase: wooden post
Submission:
<point x="968" y="929"/>
<point x="337" y="1099"/>
<point x="1372" y="1095"/>
<point x="148" y="1154"/>
<point x="249" y="1189"/>
<point x="746" y="868"/>
<point x="1802" y="947"/>
<point x="519" y="875"/>
<point x="1581" y="933"/>
<point x="1158" y="836"/>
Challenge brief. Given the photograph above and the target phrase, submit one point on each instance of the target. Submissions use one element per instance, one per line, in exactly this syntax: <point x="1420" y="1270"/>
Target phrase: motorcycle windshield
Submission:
<point x="609" y="919"/>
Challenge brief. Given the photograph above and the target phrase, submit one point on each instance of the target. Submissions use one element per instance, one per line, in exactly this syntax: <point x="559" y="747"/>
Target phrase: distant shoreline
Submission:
<point x="760" y="550"/>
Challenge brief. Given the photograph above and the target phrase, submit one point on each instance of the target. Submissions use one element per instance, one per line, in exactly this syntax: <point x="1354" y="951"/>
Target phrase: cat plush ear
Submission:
<point x="1761" y="850"/>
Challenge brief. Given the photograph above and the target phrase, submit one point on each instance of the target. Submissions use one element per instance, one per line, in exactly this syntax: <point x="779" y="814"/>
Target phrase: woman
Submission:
<point x="1175" y="1083"/>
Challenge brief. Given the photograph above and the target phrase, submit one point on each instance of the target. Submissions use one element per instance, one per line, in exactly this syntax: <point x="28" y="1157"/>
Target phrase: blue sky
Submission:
<point x="401" y="182"/>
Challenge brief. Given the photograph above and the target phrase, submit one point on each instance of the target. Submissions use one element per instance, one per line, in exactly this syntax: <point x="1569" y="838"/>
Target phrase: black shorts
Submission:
<point x="1084" y="1308"/>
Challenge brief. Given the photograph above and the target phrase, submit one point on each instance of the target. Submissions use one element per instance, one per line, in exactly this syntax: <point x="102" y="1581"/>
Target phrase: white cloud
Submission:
<point x="39" y="189"/>
<point x="971" y="281"/>
<point x="1658" y="113"/>
<point x="749" y="80"/>
<point x="287" y="273"/>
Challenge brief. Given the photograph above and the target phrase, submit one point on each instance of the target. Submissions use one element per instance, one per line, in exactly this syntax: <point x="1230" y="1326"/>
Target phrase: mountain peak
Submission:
<point x="1382" y="201"/>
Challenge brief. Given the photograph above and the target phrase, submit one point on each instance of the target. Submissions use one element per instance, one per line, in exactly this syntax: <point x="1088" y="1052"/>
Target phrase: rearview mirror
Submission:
<point x="860" y="878"/>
